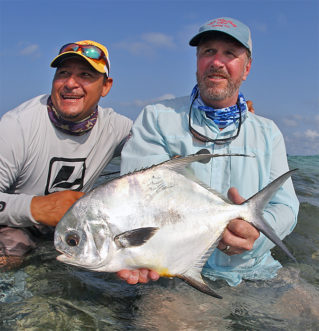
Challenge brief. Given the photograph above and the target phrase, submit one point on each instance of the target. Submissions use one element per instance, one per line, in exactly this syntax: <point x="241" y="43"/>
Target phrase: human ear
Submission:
<point x="107" y="84"/>
<point x="247" y="69"/>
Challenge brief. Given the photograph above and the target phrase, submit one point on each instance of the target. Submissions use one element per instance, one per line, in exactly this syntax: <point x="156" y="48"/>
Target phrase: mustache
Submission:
<point x="219" y="72"/>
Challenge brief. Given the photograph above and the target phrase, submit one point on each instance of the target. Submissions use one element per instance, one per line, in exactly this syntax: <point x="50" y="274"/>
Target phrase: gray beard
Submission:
<point x="211" y="93"/>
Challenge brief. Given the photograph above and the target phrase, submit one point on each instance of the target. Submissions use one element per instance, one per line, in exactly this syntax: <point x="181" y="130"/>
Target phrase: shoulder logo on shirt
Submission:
<point x="65" y="174"/>
<point x="2" y="205"/>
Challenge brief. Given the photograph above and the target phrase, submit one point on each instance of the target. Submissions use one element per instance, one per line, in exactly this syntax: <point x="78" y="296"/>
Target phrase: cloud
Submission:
<point x="132" y="108"/>
<point x="289" y="122"/>
<point x="30" y="49"/>
<point x="143" y="103"/>
<point x="312" y="134"/>
<point x="135" y="48"/>
<point x="303" y="140"/>
<point x="293" y="120"/>
<point x="158" y="40"/>
<point x="302" y="143"/>
<point x="259" y="26"/>
<point x="147" y="43"/>
<point x="309" y="134"/>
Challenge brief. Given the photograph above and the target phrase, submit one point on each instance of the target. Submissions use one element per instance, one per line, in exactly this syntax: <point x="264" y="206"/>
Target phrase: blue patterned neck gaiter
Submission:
<point x="73" y="128"/>
<point x="222" y="117"/>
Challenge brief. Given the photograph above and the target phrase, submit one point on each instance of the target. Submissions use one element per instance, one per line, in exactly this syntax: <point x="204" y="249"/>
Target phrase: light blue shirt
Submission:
<point x="161" y="132"/>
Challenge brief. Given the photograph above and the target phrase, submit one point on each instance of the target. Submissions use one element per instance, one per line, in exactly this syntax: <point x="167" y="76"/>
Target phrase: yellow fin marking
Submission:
<point x="164" y="272"/>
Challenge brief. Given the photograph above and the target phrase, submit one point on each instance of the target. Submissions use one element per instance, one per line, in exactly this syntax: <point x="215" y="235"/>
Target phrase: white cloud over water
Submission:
<point x="312" y="134"/>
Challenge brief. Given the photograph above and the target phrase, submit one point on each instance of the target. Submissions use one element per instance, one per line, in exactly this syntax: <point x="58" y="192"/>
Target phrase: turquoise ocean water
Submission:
<point x="44" y="294"/>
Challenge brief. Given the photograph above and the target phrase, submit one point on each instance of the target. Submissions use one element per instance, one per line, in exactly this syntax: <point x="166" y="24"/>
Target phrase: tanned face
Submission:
<point x="77" y="89"/>
<point x="222" y="65"/>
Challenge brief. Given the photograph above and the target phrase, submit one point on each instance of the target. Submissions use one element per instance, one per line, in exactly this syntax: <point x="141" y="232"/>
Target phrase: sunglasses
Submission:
<point x="205" y="139"/>
<point x="90" y="51"/>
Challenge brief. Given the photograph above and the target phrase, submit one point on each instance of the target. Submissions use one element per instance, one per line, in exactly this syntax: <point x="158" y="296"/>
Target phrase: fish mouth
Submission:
<point x="68" y="260"/>
<point x="90" y="266"/>
<point x="64" y="258"/>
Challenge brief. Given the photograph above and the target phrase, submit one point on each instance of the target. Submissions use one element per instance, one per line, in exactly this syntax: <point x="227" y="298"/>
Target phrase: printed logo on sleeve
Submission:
<point x="65" y="174"/>
<point x="2" y="205"/>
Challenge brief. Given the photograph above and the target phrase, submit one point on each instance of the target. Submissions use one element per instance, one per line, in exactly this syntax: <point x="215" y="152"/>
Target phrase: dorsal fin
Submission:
<point x="179" y="163"/>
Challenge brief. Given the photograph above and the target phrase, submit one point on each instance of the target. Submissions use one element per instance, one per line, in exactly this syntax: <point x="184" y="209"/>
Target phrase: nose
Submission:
<point x="217" y="61"/>
<point x="71" y="82"/>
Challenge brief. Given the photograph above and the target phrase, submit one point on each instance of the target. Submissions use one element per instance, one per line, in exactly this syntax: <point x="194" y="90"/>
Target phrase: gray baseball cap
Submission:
<point x="230" y="26"/>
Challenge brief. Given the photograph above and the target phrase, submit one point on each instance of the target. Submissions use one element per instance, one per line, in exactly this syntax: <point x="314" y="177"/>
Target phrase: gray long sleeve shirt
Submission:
<point x="38" y="159"/>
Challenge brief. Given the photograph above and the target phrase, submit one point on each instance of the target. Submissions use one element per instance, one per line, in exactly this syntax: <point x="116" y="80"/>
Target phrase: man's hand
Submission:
<point x="138" y="275"/>
<point x="49" y="209"/>
<point x="250" y="106"/>
<point x="239" y="236"/>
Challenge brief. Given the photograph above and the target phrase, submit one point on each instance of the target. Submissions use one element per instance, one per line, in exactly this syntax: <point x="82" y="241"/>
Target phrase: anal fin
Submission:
<point x="195" y="280"/>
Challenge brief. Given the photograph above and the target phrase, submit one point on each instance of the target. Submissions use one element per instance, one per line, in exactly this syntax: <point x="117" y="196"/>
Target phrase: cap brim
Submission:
<point x="196" y="39"/>
<point x="62" y="57"/>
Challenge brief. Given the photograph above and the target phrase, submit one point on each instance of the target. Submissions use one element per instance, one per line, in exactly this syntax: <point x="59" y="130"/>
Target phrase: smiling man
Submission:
<point x="54" y="147"/>
<point x="217" y="119"/>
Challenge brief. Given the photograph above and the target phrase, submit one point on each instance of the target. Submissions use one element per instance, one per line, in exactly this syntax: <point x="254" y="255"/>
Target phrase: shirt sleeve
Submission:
<point x="14" y="208"/>
<point x="146" y="145"/>
<point x="282" y="211"/>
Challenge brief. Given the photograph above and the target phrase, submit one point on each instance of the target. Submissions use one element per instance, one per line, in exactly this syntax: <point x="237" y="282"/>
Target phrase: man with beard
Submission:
<point x="216" y="119"/>
<point x="54" y="147"/>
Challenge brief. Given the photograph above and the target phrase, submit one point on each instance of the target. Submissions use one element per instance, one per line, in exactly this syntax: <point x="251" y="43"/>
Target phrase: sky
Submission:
<point x="151" y="59"/>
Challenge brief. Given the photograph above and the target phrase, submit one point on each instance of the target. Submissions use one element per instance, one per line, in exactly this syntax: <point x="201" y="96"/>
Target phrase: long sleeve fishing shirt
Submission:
<point x="38" y="159"/>
<point x="161" y="132"/>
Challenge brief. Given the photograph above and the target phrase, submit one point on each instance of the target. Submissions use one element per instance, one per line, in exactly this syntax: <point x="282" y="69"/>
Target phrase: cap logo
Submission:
<point x="222" y="23"/>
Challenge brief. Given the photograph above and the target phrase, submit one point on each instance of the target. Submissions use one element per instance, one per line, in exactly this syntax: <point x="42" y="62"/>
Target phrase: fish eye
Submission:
<point x="72" y="239"/>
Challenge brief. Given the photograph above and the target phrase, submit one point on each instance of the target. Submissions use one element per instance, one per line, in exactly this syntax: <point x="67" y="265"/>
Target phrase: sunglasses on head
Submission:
<point x="90" y="51"/>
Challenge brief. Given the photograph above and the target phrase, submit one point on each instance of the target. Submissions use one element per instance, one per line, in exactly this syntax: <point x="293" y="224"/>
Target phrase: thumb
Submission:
<point x="234" y="196"/>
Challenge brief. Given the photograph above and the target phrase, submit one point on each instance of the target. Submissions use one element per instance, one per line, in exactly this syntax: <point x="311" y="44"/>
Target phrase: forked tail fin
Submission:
<point x="257" y="204"/>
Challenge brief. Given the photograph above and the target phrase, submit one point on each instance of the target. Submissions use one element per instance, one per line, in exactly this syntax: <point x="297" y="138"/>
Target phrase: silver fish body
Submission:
<point x="160" y="218"/>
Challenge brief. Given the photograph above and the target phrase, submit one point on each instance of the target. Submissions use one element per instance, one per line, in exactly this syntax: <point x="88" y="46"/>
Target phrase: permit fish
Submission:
<point x="160" y="218"/>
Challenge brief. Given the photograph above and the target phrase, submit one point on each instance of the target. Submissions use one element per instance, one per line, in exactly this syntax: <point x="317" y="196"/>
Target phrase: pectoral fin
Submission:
<point x="194" y="278"/>
<point x="136" y="237"/>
